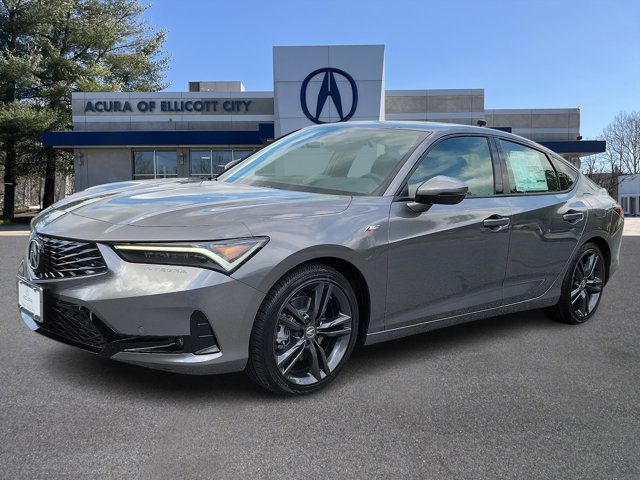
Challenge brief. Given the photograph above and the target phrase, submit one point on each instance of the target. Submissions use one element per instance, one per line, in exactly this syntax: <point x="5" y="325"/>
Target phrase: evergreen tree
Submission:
<point x="49" y="49"/>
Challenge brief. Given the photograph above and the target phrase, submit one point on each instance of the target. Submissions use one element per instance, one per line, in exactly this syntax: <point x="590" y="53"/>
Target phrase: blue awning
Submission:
<point x="264" y="133"/>
<point x="577" y="147"/>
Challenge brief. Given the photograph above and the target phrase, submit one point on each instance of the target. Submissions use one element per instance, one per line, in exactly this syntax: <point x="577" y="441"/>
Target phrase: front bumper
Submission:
<point x="149" y="314"/>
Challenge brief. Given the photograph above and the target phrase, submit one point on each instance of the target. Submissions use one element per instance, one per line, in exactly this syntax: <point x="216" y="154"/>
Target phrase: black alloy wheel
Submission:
<point x="304" y="331"/>
<point x="582" y="287"/>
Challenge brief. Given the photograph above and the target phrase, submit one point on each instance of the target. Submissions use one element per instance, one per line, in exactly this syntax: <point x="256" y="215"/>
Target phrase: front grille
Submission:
<point x="62" y="258"/>
<point x="76" y="325"/>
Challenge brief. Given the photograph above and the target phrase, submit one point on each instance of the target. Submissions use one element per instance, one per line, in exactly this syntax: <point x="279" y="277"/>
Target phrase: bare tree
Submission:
<point x="592" y="165"/>
<point x="623" y="152"/>
<point x="598" y="169"/>
<point x="623" y="143"/>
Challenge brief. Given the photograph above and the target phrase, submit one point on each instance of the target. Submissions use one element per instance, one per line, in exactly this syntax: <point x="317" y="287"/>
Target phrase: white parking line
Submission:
<point x="14" y="233"/>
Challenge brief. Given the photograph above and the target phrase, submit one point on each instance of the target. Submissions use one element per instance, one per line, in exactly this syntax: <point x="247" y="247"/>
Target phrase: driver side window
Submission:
<point x="465" y="158"/>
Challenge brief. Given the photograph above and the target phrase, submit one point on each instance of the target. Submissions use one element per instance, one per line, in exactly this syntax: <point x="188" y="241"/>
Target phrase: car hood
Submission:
<point x="184" y="203"/>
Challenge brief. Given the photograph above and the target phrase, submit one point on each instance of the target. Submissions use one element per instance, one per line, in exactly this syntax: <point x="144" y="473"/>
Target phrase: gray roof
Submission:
<point x="440" y="128"/>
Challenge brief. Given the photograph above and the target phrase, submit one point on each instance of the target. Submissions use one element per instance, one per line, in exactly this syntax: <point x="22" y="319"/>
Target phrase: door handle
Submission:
<point x="573" y="216"/>
<point x="496" y="222"/>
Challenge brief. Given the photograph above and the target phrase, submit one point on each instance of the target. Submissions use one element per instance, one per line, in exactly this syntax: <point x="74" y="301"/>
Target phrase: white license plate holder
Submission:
<point x="30" y="299"/>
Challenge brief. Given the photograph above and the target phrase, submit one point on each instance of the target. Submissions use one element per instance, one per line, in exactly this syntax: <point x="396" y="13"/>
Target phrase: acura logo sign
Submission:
<point x="34" y="254"/>
<point x="329" y="89"/>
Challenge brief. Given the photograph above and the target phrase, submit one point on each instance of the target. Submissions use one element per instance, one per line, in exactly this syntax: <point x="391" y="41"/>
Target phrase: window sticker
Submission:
<point x="528" y="171"/>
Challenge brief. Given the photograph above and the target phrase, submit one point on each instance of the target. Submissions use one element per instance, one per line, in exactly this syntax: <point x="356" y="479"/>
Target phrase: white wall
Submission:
<point x="629" y="193"/>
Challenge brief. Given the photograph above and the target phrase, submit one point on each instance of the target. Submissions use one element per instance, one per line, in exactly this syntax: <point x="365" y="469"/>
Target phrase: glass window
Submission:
<point x="201" y="162"/>
<point x="220" y="160"/>
<point x="322" y="159"/>
<point x="625" y="204"/>
<point x="466" y="158"/>
<point x="529" y="170"/>
<point x="166" y="164"/>
<point x="213" y="162"/>
<point x="241" y="154"/>
<point x="566" y="175"/>
<point x="154" y="164"/>
<point x="143" y="165"/>
<point x="363" y="163"/>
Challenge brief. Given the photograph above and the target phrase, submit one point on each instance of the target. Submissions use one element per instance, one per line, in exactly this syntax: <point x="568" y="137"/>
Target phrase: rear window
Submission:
<point x="529" y="170"/>
<point x="567" y="176"/>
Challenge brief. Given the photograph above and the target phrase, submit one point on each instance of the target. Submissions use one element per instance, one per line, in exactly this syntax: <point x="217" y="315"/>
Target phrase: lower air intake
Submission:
<point x="76" y="325"/>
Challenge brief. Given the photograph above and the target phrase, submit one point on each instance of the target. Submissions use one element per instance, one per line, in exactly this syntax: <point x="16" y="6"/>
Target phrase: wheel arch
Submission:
<point x="360" y="287"/>
<point x="604" y="247"/>
<point x="344" y="263"/>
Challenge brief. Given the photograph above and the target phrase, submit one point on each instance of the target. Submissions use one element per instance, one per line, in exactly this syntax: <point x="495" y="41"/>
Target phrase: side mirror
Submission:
<point x="439" y="190"/>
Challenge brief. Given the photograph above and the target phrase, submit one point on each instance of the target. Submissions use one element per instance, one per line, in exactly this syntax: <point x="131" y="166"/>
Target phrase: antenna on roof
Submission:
<point x="481" y="123"/>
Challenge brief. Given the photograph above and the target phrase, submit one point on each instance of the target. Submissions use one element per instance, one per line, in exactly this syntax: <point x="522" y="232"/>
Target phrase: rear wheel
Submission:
<point x="582" y="287"/>
<point x="304" y="332"/>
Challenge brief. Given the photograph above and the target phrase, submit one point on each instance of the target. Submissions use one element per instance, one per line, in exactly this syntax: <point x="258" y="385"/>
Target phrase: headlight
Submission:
<point x="224" y="255"/>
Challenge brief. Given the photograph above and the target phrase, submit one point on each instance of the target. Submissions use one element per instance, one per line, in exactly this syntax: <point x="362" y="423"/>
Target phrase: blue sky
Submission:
<point x="525" y="54"/>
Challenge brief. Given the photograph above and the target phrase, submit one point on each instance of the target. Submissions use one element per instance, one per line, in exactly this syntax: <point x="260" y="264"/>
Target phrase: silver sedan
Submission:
<point x="332" y="236"/>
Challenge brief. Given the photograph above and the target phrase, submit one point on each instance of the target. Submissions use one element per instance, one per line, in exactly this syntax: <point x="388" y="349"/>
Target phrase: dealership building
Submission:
<point x="629" y="194"/>
<point x="124" y="136"/>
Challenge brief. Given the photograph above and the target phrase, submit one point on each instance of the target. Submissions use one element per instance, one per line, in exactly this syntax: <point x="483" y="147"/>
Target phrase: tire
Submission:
<point x="304" y="331"/>
<point x="575" y="308"/>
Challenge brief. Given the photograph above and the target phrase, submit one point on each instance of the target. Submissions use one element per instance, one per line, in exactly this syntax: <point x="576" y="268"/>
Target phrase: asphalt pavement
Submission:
<point x="516" y="396"/>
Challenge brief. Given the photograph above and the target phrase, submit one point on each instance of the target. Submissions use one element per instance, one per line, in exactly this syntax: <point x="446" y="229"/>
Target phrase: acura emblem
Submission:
<point x="329" y="88"/>
<point x="34" y="254"/>
<point x="310" y="331"/>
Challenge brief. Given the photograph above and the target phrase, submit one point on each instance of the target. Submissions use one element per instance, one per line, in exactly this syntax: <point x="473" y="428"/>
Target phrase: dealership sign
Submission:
<point x="167" y="106"/>
<point x="325" y="84"/>
<point x="329" y="88"/>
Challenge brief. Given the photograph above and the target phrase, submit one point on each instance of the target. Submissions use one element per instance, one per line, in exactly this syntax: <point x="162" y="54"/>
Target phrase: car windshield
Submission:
<point x="354" y="160"/>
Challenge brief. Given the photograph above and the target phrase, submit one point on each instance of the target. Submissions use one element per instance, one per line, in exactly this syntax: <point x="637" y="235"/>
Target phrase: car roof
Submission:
<point x="442" y="129"/>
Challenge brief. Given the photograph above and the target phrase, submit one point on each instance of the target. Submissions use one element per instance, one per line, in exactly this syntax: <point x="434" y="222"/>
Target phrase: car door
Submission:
<point x="546" y="223"/>
<point x="450" y="259"/>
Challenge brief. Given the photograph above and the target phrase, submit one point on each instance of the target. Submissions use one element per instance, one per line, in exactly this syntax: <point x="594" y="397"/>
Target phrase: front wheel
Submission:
<point x="304" y="332"/>
<point x="582" y="287"/>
